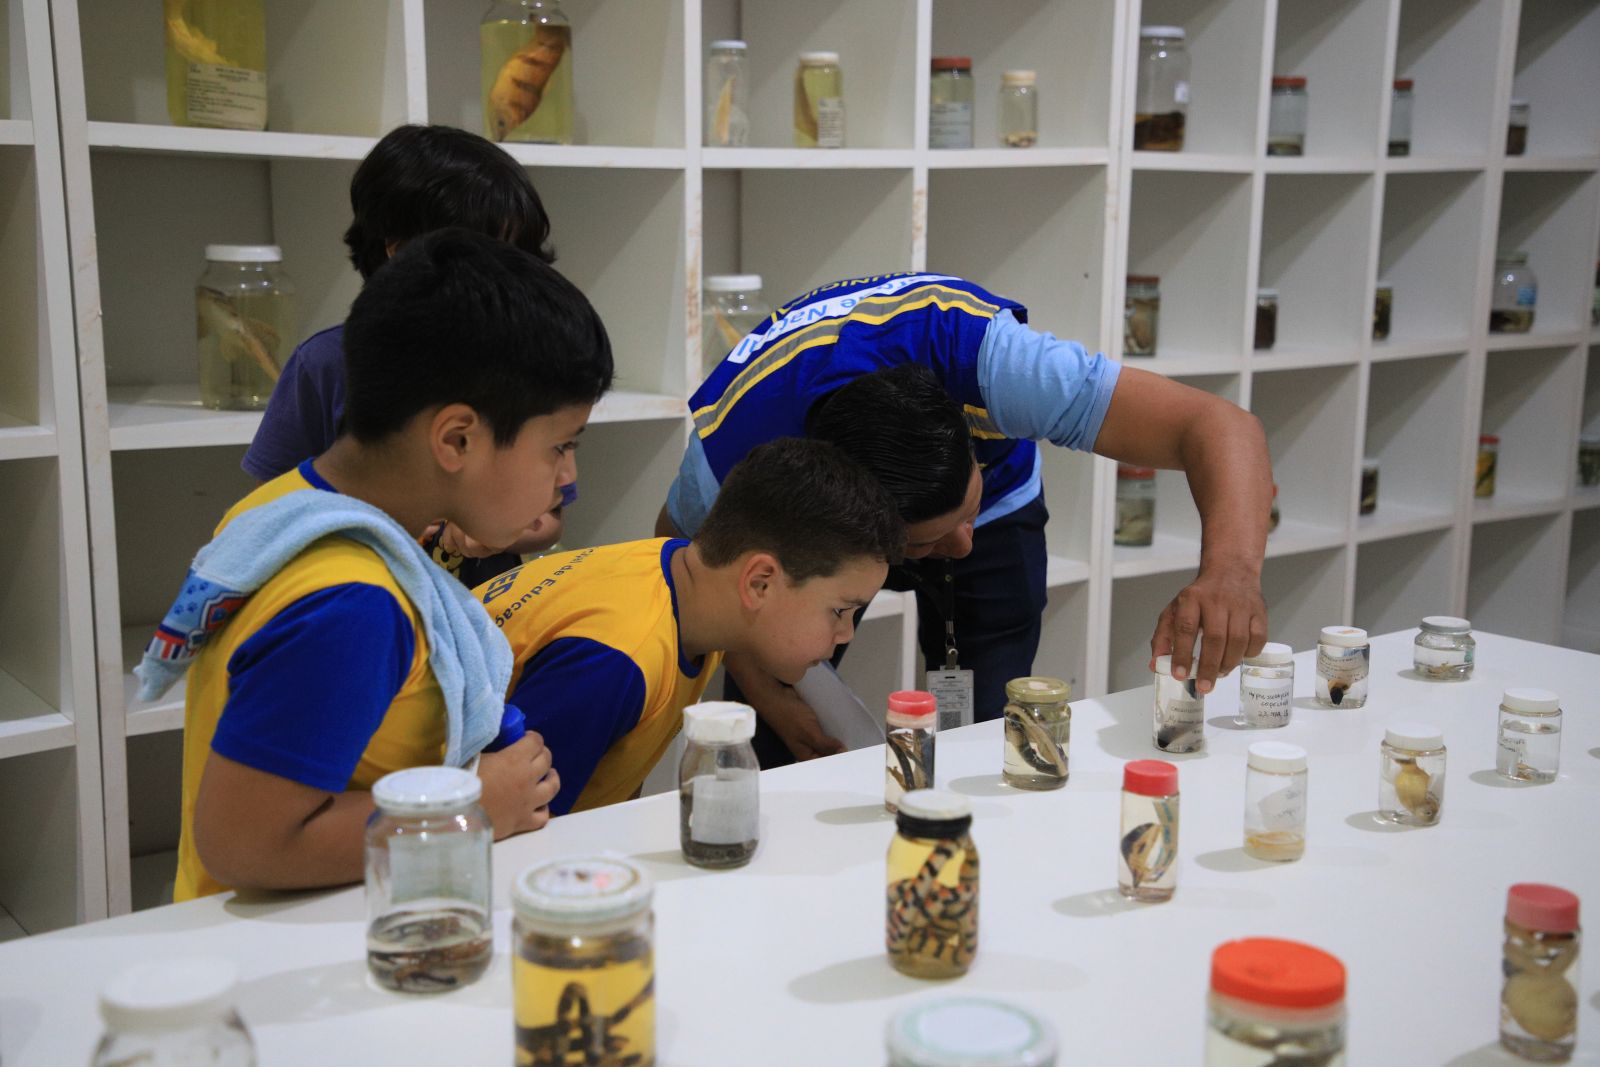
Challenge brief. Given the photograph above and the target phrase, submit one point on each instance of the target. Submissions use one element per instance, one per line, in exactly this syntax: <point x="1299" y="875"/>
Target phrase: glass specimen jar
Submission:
<point x="1488" y="466"/>
<point x="969" y="1032"/>
<point x="727" y="95"/>
<point x="1147" y="844"/>
<point x="1266" y="333"/>
<point x="1136" y="506"/>
<point x="1528" y="748"/>
<point x="1180" y="710"/>
<point x="911" y="726"/>
<point x="733" y="308"/>
<point x="174" y="1013"/>
<point x="584" y="968"/>
<point x="1141" y="315"/>
<point x="525" y="50"/>
<point x="1161" y="94"/>
<point x="1343" y="656"/>
<point x="244" y="325"/>
<point x="932" y="927"/>
<point x="216" y="55"/>
<point x="1539" y="1000"/>
<point x="1400" y="117"/>
<point x="1515" y="296"/>
<point x="1266" y="687"/>
<point x="1411" y="779"/>
<point x="1019" y="109"/>
<point x="1286" y="116"/>
<point x="819" y="101"/>
<point x="1038" y="732"/>
<point x="1275" y="801"/>
<point x="428" y="881"/>
<point x="952" y="95"/>
<point x="1517" y="128"/>
<point x="1275" y="1002"/>
<point x="1444" y="649"/>
<point x="719" y="786"/>
<point x="1369" y="486"/>
<point x="1382" y="309"/>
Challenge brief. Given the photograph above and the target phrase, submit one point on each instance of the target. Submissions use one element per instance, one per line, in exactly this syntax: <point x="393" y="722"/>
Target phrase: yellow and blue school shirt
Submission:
<point x="321" y="677"/>
<point x="599" y="668"/>
<point x="1016" y="385"/>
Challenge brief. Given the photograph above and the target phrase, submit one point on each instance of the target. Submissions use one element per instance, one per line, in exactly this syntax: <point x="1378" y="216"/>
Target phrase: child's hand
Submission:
<point x="454" y="541"/>
<point x="518" y="785"/>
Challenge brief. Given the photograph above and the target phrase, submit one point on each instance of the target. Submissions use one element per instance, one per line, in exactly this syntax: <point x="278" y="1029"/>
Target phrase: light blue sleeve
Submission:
<point x="1039" y="388"/>
<point x="693" y="491"/>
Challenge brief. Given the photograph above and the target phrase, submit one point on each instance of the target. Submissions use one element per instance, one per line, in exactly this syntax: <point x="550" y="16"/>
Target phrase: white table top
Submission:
<point x="782" y="962"/>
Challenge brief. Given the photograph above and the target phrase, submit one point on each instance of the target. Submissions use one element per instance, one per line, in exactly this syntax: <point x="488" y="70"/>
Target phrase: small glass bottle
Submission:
<point x="1488" y="466"/>
<point x="1400" y="117"/>
<point x="1539" y="1000"/>
<point x="1382" y="309"/>
<point x="1517" y="128"/>
<point x="733" y="308"/>
<point x="912" y="725"/>
<point x="1444" y="649"/>
<point x="1286" y="116"/>
<point x="719" y="786"/>
<point x="1147" y="846"/>
<point x="428" y="881"/>
<point x="932" y="927"/>
<point x="819" y="101"/>
<point x="1529" y="743"/>
<point x="1411" y="776"/>
<point x="1019" y="109"/>
<point x="174" y="1013"/>
<point x="1275" y="801"/>
<point x="1266" y="687"/>
<point x="585" y="960"/>
<point x="1141" y="315"/>
<point x="1038" y="732"/>
<point x="952" y="96"/>
<point x="244" y="325"/>
<point x="1369" y="486"/>
<point x="1266" y="319"/>
<point x="1162" y="93"/>
<point x="1180" y="710"/>
<point x="727" y="94"/>
<point x="969" y="1032"/>
<point x="1275" y="1001"/>
<point x="1589" y="460"/>
<point x="525" y="51"/>
<point x="1343" y="656"/>
<point x="217" y="64"/>
<point x="1136" y="506"/>
<point x="1516" y="294"/>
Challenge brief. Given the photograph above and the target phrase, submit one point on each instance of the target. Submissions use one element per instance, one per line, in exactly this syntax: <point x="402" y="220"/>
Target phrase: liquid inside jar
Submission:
<point x="908" y="763"/>
<point x="586" y="999"/>
<point x="1147" y="854"/>
<point x="1037" y="740"/>
<point x="526" y="80"/>
<point x="429" y="950"/>
<point x="932" y="927"/>
<point x="718" y="818"/>
<point x="1539" y="1001"/>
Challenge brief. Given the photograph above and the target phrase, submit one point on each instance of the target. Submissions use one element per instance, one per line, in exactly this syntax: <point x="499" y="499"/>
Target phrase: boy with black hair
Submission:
<point x="415" y="179"/>
<point x="324" y="648"/>
<point x="612" y="643"/>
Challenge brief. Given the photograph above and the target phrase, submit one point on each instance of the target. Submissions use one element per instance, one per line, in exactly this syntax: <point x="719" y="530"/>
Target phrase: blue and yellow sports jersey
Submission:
<point x="321" y="678"/>
<point x="599" y="670"/>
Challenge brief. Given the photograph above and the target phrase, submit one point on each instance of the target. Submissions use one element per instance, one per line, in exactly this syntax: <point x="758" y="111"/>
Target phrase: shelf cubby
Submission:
<point x="623" y="476"/>
<point x="1413" y="408"/>
<point x="25" y="388"/>
<point x="1516" y="578"/>
<point x="1581" y="622"/>
<point x="1432" y="229"/>
<point x="1305" y="592"/>
<point x="155" y="808"/>
<point x="1310" y="417"/>
<point x="1315" y="244"/>
<point x="1551" y="216"/>
<point x="1338" y="47"/>
<point x="1589" y="418"/>
<point x="1064" y="637"/>
<point x="1530" y="400"/>
<point x="1400" y="580"/>
<point x="1136" y="605"/>
<point x="35" y="659"/>
<point x="1444" y="46"/>
<point x="39" y="863"/>
<point x="1556" y="72"/>
<point x="1225" y="42"/>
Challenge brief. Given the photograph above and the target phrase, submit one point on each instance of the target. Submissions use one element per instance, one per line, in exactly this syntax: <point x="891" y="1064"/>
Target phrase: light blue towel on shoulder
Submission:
<point x="467" y="653"/>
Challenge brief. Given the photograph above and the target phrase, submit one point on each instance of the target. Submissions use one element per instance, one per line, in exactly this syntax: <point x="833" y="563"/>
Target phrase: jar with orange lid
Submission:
<point x="1274" y="1001"/>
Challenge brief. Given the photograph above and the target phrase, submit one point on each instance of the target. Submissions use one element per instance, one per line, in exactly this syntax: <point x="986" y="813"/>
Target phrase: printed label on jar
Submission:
<point x="229" y="97"/>
<point x="1284" y="809"/>
<point x="1266" y="703"/>
<point x="725" y="810"/>
<point x="1527" y="296"/>
<point x="830" y="122"/>
<point x="950" y="126"/>
<point x="1442" y="657"/>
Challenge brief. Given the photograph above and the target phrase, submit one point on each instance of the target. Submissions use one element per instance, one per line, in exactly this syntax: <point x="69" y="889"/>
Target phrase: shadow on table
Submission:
<point x="855" y="815"/>
<point x="1232" y="861"/>
<point x="1227" y="722"/>
<point x="1490" y="1055"/>
<point x="1595" y="752"/>
<point x="1094" y="905"/>
<point x="872" y="978"/>
<point x="986" y="785"/>
<point x="668" y="865"/>
<point x="338" y="990"/>
<point x="1128" y="738"/>
<point x="1494" y="778"/>
<point x="1373" y="823"/>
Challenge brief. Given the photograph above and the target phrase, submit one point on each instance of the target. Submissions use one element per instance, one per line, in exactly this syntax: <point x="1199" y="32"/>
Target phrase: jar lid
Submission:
<point x="912" y="707"/>
<point x="1144" y="279"/>
<point x="1038" y="690"/>
<point x="1488" y="438"/>
<point x="1404" y="84"/>
<point x="719" y="722"/>
<point x="1446" y="624"/>
<point x="1018" y="77"/>
<point x="970" y="1032"/>
<point x="580" y="890"/>
<point x="1288" y="81"/>
<point x="1417" y="735"/>
<point x="1128" y="472"/>
<point x="1277" y="757"/>
<point x="1530" y="700"/>
<point x="819" y="59"/>
<point x="728" y="45"/>
<point x="1342" y="636"/>
<point x="935" y="805"/>
<point x="952" y="62"/>
<point x="169" y="994"/>
<point x="1282" y="974"/>
<point x="1517" y="101"/>
<point x="244" y="253"/>
<point x="1369" y="464"/>
<point x="427" y="790"/>
<point x="1589" y="440"/>
<point x="732" y="283"/>
<point x="1384" y="283"/>
<point x="1542" y="907"/>
<point x="1516" y="255"/>
<point x="1269" y="294"/>
<point x="1175" y="32"/>
<point x="1150" y="777"/>
<point x="1272" y="654"/>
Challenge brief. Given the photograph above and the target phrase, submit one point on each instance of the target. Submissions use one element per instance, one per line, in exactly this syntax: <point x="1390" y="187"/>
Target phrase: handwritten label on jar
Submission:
<point x="227" y="97"/>
<point x="1266" y="703"/>
<point x="1442" y="657"/>
<point x="1513" y="750"/>
<point x="1284" y="809"/>
<point x="725" y="808"/>
<point x="1182" y="712"/>
<point x="950" y="125"/>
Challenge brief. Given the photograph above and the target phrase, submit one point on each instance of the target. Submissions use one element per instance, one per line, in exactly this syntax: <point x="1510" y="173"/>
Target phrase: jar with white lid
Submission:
<point x="727" y="95"/>
<point x="1266" y="687"/>
<point x="244" y="325"/>
<point x="1275" y="1001"/>
<point x="733" y="308"/>
<point x="1275" y="801"/>
<point x="819" y="101"/>
<point x="1161" y="92"/>
<point x="1019" y="109"/>
<point x="969" y="1032"/>
<point x="1343" y="660"/>
<point x="1411" y="774"/>
<point x="1444" y="649"/>
<point x="1180" y="709"/>
<point x="719" y="785"/>
<point x="174" y="1013"/>
<point x="1528" y="748"/>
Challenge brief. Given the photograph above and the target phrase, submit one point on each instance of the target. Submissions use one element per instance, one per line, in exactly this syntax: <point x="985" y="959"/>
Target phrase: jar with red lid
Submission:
<point x="1136" y="506"/>
<point x="1539" y="1001"/>
<point x="1286" y="117"/>
<point x="1274" y="1001"/>
<point x="951" y="92"/>
<point x="1488" y="466"/>
<point x="1147" y="848"/>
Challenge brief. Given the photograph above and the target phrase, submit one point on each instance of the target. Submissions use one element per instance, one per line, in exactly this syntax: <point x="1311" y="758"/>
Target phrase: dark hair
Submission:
<point x="807" y="503"/>
<point x="903" y="426"/>
<point x="421" y="178"/>
<point x="458" y="317"/>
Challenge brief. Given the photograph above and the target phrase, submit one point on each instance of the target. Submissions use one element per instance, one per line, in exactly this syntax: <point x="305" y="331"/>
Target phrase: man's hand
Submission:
<point x="518" y="785"/>
<point x="1227" y="608"/>
<point x="781" y="708"/>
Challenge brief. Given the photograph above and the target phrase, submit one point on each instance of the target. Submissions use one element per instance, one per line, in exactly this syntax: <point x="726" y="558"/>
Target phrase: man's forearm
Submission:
<point x="1230" y="477"/>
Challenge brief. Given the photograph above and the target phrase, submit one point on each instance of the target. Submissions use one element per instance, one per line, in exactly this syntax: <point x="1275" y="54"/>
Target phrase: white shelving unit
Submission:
<point x="641" y="212"/>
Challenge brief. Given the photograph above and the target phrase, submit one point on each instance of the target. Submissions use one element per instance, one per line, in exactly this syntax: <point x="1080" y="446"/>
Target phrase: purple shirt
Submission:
<point x="302" y="418"/>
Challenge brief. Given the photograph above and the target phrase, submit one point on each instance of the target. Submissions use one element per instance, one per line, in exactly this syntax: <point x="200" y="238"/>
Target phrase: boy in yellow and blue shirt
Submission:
<point x="610" y="644"/>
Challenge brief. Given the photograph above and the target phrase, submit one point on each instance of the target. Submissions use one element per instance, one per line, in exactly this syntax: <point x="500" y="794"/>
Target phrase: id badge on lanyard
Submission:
<point x="952" y="686"/>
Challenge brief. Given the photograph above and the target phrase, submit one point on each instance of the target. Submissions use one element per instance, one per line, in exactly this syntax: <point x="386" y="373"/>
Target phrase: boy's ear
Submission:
<point x="759" y="575"/>
<point x="454" y="432"/>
